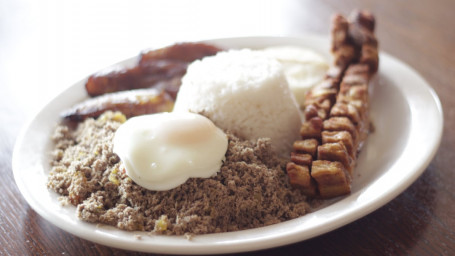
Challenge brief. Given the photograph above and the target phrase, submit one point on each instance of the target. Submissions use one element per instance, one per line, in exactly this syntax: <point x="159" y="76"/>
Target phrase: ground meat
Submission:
<point x="251" y="189"/>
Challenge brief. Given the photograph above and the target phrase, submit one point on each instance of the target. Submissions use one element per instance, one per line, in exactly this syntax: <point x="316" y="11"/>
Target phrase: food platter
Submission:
<point x="408" y="121"/>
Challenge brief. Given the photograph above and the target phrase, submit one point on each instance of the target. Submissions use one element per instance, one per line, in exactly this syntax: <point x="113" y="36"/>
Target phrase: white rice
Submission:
<point x="245" y="92"/>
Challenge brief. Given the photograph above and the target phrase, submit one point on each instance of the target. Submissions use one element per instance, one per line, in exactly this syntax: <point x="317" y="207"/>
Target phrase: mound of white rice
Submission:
<point x="244" y="92"/>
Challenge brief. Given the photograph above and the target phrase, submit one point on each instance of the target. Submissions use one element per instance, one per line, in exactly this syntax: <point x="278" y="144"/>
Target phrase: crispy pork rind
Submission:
<point x="336" y="111"/>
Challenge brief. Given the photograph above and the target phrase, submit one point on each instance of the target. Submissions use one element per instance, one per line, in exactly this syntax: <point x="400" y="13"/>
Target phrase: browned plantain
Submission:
<point x="130" y="103"/>
<point x="137" y="77"/>
<point x="162" y="67"/>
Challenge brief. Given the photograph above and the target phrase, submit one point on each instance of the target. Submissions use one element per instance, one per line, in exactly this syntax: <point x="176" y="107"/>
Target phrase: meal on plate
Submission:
<point x="196" y="139"/>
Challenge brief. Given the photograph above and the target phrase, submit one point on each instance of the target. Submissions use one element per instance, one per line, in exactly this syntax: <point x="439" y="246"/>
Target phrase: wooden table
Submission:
<point x="47" y="45"/>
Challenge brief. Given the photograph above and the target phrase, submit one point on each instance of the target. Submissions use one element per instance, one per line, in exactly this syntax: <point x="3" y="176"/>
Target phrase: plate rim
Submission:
<point x="238" y="246"/>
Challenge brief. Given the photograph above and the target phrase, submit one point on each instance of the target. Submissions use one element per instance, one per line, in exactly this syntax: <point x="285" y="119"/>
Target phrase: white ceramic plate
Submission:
<point x="405" y="111"/>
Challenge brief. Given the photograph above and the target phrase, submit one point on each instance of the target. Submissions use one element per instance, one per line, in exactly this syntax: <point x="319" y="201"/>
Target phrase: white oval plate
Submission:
<point x="406" y="113"/>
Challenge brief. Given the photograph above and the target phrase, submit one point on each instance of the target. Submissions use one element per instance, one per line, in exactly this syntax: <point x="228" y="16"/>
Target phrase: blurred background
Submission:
<point x="51" y="44"/>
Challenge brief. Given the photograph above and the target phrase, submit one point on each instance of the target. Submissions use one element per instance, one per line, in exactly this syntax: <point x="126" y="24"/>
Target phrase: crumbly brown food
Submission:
<point x="251" y="189"/>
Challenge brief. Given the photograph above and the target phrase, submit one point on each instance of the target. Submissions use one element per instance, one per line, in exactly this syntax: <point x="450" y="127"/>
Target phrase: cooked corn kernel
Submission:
<point x="161" y="224"/>
<point x="119" y="117"/>
<point x="113" y="177"/>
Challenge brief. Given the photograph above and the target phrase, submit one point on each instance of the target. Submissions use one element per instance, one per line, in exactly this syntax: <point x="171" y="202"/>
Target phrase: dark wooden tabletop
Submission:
<point x="47" y="45"/>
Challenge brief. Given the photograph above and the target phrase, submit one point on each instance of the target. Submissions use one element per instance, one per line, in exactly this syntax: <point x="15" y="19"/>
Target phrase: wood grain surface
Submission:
<point x="47" y="45"/>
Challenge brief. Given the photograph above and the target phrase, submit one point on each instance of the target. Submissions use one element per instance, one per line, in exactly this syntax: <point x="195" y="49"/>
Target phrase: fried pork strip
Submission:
<point x="336" y="112"/>
<point x="318" y="103"/>
<point x="162" y="67"/>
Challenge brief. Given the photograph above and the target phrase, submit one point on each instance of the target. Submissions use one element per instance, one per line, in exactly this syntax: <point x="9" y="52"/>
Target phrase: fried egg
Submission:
<point x="161" y="151"/>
